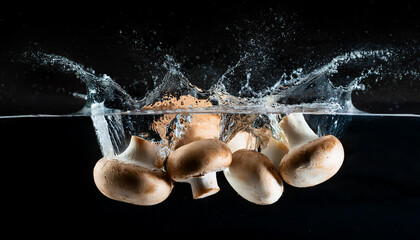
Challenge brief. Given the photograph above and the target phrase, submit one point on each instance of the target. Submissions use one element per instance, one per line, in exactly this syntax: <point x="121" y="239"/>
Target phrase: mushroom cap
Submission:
<point x="254" y="177"/>
<point x="131" y="183"/>
<point x="312" y="163"/>
<point x="197" y="158"/>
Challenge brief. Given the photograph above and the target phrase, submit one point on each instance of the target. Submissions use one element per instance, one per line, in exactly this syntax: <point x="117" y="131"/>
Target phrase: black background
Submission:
<point x="47" y="184"/>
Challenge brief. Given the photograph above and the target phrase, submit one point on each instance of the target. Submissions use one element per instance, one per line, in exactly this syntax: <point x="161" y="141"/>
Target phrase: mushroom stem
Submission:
<point x="275" y="151"/>
<point x="142" y="153"/>
<point x="297" y="130"/>
<point x="204" y="186"/>
<point x="242" y="140"/>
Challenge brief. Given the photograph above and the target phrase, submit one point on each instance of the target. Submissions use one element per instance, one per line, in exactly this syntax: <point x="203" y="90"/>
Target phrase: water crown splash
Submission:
<point x="116" y="115"/>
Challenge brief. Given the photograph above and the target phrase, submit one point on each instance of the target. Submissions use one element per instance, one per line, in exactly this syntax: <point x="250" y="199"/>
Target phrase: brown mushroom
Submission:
<point x="195" y="126"/>
<point x="311" y="160"/>
<point x="254" y="177"/>
<point x="200" y="126"/>
<point x="197" y="163"/>
<point x="134" y="176"/>
<point x="243" y="140"/>
<point x="274" y="149"/>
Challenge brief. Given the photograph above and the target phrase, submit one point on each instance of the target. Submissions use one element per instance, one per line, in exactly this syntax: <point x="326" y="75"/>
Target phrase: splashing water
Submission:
<point x="116" y="115"/>
<point x="322" y="90"/>
<point x="252" y="93"/>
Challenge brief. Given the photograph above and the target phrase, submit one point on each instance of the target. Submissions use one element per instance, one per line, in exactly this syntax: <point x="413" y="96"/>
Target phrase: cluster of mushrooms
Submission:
<point x="140" y="176"/>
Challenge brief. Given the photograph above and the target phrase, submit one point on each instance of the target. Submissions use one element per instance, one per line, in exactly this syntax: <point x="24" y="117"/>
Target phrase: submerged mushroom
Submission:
<point x="200" y="126"/>
<point x="143" y="153"/>
<point x="197" y="163"/>
<point x="311" y="160"/>
<point x="194" y="126"/>
<point x="254" y="177"/>
<point x="242" y="140"/>
<point x="135" y="176"/>
<point x="274" y="149"/>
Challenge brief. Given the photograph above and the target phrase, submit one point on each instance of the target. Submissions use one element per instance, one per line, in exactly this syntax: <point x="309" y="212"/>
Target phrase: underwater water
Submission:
<point x="57" y="106"/>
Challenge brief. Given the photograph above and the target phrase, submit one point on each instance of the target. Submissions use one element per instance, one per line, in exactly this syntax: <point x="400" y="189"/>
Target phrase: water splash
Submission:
<point x="116" y="115"/>
<point x="100" y="89"/>
<point x="323" y="90"/>
<point x="253" y="92"/>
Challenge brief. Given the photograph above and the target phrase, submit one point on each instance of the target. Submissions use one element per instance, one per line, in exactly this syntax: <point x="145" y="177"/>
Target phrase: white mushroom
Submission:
<point x="197" y="163"/>
<point x="254" y="177"/>
<point x="134" y="176"/>
<point x="311" y="159"/>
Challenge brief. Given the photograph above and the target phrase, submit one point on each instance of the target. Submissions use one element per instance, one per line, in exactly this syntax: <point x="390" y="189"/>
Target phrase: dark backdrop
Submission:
<point x="47" y="163"/>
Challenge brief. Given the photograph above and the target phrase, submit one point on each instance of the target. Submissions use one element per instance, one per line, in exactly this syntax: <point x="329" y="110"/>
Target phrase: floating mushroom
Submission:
<point x="135" y="176"/>
<point x="197" y="163"/>
<point x="311" y="160"/>
<point x="254" y="177"/>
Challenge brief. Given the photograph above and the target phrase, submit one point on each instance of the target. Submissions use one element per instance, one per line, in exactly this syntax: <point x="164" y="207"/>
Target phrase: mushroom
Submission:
<point x="143" y="153"/>
<point x="242" y="140"/>
<point x="200" y="126"/>
<point x="311" y="160"/>
<point x="195" y="126"/>
<point x="197" y="163"/>
<point x="274" y="149"/>
<point x="254" y="177"/>
<point x="135" y="176"/>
